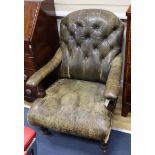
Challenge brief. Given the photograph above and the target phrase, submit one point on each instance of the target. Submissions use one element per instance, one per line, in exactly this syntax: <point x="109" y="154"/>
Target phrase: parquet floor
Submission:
<point x="118" y="120"/>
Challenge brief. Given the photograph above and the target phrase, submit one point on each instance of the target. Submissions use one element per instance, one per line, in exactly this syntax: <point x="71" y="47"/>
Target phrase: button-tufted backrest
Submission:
<point x="90" y="40"/>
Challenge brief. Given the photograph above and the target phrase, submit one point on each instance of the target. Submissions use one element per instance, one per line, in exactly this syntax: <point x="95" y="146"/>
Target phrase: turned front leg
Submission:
<point x="104" y="146"/>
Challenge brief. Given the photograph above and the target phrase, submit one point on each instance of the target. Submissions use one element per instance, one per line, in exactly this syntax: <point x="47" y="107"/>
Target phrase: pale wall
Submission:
<point x="118" y="6"/>
<point x="63" y="7"/>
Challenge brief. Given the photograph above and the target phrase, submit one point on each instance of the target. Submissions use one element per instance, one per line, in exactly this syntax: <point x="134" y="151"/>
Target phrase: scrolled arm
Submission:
<point x="112" y="85"/>
<point x="38" y="76"/>
<point x="113" y="82"/>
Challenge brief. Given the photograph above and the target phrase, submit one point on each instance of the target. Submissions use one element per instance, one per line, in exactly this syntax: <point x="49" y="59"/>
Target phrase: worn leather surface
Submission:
<point x="91" y="44"/>
<point x="90" y="40"/>
<point x="75" y="107"/>
<point x="112" y="84"/>
<point x="38" y="76"/>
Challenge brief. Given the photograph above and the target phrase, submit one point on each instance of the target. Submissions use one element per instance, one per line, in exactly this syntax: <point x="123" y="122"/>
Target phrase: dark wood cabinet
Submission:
<point x="41" y="41"/>
<point x="126" y="103"/>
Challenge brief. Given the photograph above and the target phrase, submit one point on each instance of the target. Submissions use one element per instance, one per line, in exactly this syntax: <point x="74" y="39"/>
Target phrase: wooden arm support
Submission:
<point x="38" y="76"/>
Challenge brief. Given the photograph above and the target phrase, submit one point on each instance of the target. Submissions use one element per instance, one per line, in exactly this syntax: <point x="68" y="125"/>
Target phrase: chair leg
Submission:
<point x="104" y="146"/>
<point x="45" y="131"/>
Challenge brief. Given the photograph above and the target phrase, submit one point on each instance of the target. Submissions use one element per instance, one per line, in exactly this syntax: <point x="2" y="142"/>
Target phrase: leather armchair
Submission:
<point x="81" y="101"/>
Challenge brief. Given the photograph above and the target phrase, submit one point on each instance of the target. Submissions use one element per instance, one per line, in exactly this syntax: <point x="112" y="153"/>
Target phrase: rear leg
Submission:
<point x="45" y="131"/>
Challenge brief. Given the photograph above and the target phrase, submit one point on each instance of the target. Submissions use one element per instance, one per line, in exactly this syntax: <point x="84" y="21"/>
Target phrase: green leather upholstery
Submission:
<point x="75" y="107"/>
<point x="90" y="69"/>
<point x="90" y="40"/>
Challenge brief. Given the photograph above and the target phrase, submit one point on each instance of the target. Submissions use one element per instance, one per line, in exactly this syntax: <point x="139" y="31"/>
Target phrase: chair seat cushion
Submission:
<point x="75" y="107"/>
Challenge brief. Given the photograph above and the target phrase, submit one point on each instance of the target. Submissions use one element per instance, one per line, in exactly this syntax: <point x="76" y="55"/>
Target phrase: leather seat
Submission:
<point x="75" y="107"/>
<point x="89" y="63"/>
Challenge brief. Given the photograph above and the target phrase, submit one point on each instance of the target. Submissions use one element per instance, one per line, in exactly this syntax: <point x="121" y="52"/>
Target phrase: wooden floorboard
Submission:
<point x="120" y="121"/>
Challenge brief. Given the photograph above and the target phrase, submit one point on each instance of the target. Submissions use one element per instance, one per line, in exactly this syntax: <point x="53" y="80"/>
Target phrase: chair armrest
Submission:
<point x="112" y="85"/>
<point x="38" y="76"/>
